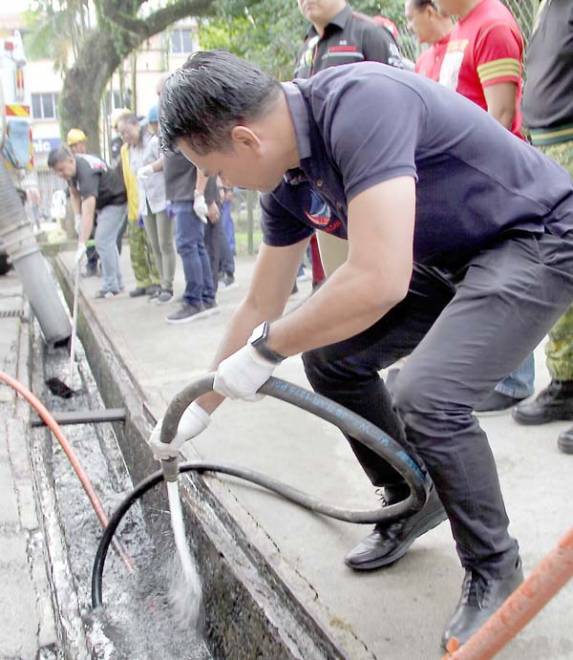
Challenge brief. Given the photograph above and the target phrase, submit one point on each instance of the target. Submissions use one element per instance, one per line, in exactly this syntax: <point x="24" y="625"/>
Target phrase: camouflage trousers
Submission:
<point x="559" y="349"/>
<point x="142" y="259"/>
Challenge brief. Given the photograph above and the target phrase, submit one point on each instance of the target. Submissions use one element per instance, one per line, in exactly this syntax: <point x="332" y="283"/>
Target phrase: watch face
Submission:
<point x="259" y="333"/>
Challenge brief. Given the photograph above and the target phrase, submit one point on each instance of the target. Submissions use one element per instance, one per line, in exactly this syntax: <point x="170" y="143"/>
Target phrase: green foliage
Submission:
<point x="268" y="32"/>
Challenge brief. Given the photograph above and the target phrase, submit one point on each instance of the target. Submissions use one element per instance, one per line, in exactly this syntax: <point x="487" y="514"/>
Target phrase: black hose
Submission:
<point x="348" y="422"/>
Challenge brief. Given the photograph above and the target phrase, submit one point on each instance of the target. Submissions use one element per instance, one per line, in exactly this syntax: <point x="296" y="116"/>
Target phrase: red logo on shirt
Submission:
<point x="342" y="49"/>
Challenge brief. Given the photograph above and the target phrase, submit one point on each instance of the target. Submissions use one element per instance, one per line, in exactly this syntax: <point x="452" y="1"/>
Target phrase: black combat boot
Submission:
<point x="555" y="403"/>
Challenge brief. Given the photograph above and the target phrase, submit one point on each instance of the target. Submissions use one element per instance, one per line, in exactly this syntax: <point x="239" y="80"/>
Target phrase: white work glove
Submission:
<point x="80" y="254"/>
<point x="200" y="207"/>
<point x="193" y="421"/>
<point x="240" y="375"/>
<point x="144" y="172"/>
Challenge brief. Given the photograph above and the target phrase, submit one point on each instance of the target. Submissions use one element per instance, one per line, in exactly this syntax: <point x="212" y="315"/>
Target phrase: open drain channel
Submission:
<point x="138" y="620"/>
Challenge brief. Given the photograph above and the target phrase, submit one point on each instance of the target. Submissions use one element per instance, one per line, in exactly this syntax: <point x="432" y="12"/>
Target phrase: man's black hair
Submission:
<point x="58" y="155"/>
<point x="212" y="92"/>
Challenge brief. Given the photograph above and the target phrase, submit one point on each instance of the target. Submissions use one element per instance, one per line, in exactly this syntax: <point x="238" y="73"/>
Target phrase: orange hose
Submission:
<point x="549" y="576"/>
<point x="54" y="427"/>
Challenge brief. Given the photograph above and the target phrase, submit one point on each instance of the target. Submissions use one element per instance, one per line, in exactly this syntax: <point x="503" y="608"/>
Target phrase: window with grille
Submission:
<point x="181" y="41"/>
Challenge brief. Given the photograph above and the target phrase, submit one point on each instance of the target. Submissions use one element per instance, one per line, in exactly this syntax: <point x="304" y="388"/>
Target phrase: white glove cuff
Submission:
<point x="200" y="413"/>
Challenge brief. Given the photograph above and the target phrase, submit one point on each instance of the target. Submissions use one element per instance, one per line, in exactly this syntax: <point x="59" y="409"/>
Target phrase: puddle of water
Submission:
<point x="152" y="613"/>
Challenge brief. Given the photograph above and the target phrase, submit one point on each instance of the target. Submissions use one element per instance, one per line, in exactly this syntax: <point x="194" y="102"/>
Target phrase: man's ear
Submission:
<point x="244" y="138"/>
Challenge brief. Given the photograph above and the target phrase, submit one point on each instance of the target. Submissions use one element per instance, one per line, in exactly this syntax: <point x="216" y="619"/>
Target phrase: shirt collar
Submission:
<point x="299" y="116"/>
<point x="339" y="20"/>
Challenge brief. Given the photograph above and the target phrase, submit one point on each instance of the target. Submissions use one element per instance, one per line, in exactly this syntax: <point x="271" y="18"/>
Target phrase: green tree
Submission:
<point x="267" y="32"/>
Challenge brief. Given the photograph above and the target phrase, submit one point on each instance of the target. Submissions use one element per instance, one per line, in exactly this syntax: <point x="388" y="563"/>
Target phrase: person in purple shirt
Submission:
<point x="460" y="256"/>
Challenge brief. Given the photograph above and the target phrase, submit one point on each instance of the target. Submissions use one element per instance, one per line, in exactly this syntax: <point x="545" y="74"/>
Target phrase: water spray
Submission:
<point x="348" y="422"/>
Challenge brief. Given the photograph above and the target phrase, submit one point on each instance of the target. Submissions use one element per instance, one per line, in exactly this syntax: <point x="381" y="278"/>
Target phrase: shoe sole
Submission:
<point x="200" y="315"/>
<point x="565" y="445"/>
<point x="434" y="521"/>
<point x="528" y="421"/>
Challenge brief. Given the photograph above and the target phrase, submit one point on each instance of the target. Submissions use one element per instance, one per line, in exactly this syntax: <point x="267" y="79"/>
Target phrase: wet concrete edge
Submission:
<point x="249" y="610"/>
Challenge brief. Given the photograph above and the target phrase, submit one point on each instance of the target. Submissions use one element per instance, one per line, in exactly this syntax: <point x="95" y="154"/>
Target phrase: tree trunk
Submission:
<point x="85" y="82"/>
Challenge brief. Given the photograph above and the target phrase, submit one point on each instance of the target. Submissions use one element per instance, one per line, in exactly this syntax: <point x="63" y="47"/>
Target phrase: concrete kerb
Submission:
<point x="249" y="609"/>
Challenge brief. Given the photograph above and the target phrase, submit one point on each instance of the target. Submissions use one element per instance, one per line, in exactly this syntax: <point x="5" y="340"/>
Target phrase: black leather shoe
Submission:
<point x="390" y="541"/>
<point x="480" y="598"/>
<point x="552" y="404"/>
<point x="565" y="441"/>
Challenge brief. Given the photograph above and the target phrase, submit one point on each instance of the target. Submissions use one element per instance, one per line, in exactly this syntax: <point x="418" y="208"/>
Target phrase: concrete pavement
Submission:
<point x="27" y="626"/>
<point x="395" y="613"/>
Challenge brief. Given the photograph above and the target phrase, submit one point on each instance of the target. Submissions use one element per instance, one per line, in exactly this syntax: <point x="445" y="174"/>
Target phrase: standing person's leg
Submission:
<point x="227" y="262"/>
<point x="121" y="232"/>
<point x="515" y="387"/>
<point x="213" y="237"/>
<point x="209" y="289"/>
<point x="138" y="258"/>
<point x="154" y="288"/>
<point x="479" y="337"/>
<point x="109" y="219"/>
<point x="167" y="250"/>
<point x="188" y="239"/>
<point x="151" y="231"/>
<point x="556" y="401"/>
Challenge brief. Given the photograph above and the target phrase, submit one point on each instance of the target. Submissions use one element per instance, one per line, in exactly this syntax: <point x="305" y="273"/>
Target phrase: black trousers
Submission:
<point x="463" y="334"/>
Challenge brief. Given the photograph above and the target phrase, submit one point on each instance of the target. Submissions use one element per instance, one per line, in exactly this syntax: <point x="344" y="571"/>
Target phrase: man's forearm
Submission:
<point x="243" y="322"/>
<point x="75" y="200"/>
<point x="88" y="213"/>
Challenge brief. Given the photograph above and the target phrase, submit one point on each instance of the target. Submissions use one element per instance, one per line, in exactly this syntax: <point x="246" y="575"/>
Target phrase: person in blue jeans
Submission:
<point x="94" y="189"/>
<point x="185" y="191"/>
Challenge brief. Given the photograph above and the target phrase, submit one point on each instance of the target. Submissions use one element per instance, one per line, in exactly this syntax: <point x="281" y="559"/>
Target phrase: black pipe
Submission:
<point x="351" y="423"/>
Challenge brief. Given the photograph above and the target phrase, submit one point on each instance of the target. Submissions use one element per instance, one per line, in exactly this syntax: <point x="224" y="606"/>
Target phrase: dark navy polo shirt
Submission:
<point x="359" y="125"/>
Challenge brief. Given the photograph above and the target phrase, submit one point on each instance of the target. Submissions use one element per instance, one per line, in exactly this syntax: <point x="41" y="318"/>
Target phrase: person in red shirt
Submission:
<point x="484" y="58"/>
<point x="430" y="27"/>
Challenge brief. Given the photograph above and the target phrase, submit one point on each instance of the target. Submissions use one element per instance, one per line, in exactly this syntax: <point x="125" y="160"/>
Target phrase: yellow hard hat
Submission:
<point x="117" y="114"/>
<point x="74" y="136"/>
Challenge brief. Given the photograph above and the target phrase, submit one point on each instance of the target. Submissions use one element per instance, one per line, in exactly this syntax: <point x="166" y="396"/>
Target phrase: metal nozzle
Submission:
<point x="170" y="469"/>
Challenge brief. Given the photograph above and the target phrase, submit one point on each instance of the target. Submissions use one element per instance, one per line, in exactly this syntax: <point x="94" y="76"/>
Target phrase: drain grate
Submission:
<point x="10" y="313"/>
